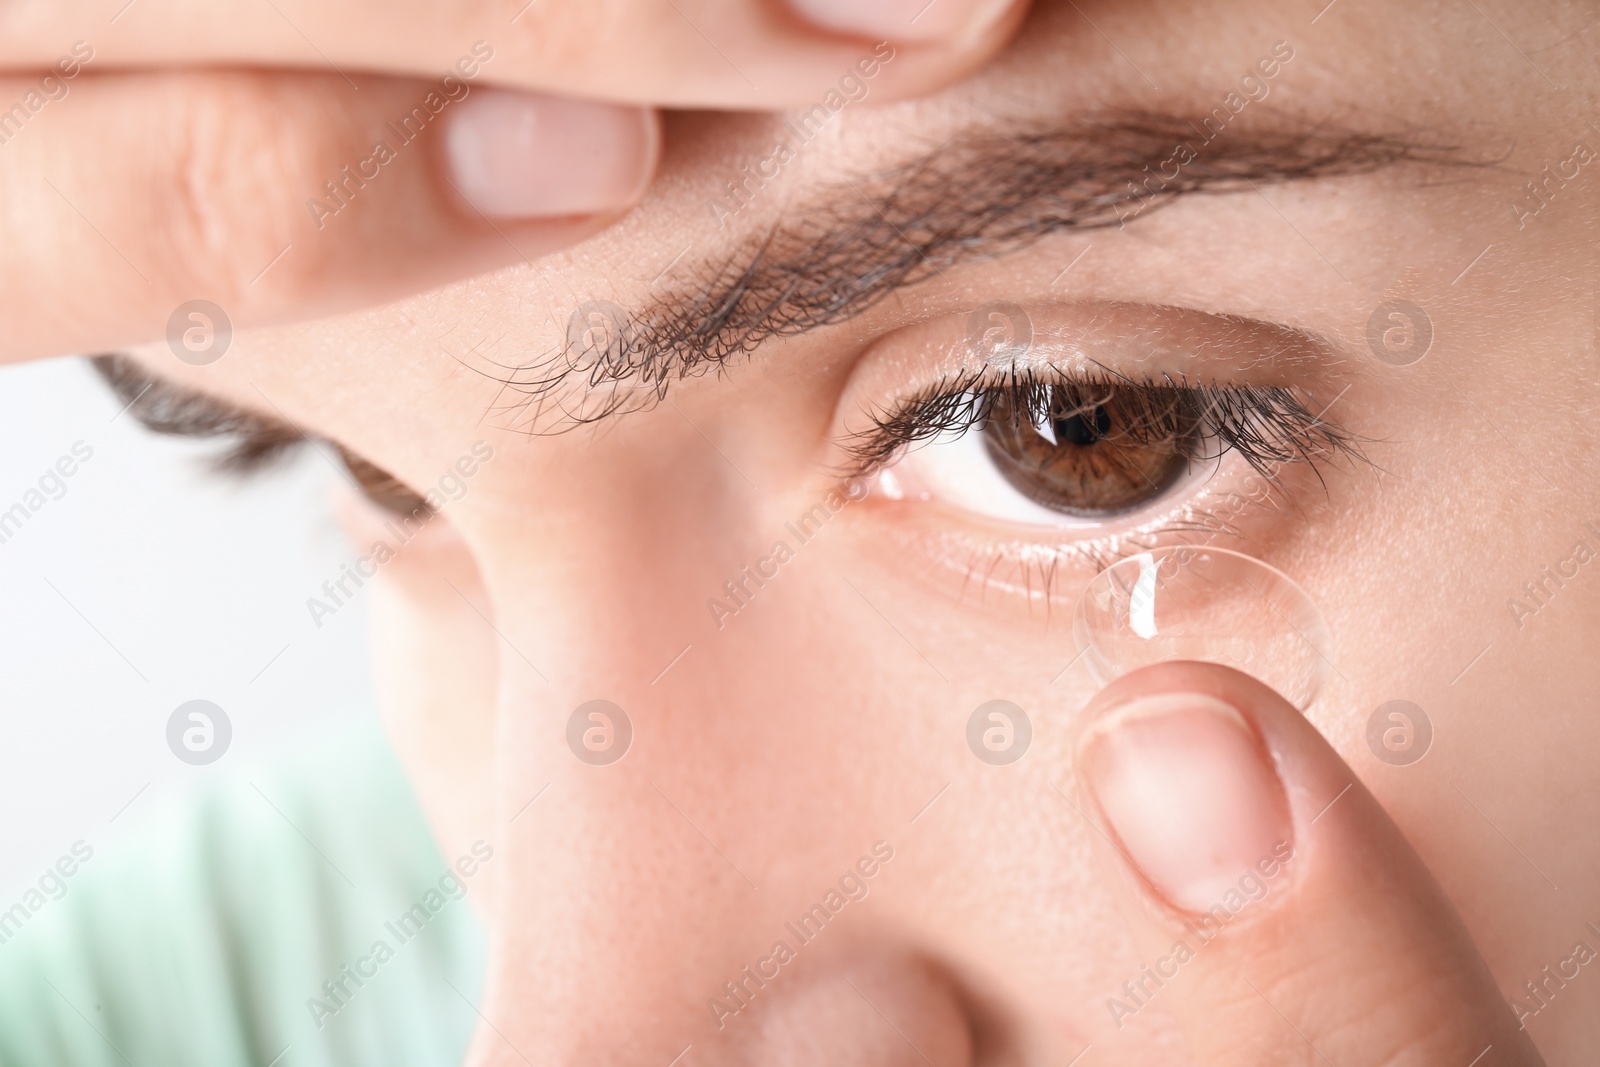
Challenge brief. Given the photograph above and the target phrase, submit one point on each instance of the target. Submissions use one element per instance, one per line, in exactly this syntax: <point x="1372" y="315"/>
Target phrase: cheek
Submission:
<point x="823" y="707"/>
<point x="1414" y="572"/>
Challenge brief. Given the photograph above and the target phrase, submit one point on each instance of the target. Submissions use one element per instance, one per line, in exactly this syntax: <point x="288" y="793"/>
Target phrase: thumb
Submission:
<point x="1286" y="918"/>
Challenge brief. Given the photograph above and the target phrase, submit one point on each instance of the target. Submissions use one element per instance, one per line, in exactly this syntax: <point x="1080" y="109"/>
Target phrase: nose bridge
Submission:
<point x="669" y="944"/>
<point x="676" y="894"/>
<point x="619" y="917"/>
<point x="637" y="883"/>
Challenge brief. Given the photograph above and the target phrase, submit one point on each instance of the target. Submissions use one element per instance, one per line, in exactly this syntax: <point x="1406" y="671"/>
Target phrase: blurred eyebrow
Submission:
<point x="981" y="196"/>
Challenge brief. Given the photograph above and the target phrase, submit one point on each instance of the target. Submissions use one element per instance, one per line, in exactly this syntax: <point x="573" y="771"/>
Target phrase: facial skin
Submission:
<point x="772" y="751"/>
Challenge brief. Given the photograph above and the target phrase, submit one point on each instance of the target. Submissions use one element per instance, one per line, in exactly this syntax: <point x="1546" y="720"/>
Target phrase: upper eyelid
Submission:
<point x="1190" y="344"/>
<point x="1093" y="338"/>
<point x="1305" y="432"/>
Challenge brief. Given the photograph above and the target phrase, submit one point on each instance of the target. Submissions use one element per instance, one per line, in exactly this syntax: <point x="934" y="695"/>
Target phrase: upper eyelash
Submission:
<point x="1268" y="426"/>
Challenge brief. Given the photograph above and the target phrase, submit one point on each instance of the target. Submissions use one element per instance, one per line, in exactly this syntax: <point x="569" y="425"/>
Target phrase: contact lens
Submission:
<point x="1199" y="603"/>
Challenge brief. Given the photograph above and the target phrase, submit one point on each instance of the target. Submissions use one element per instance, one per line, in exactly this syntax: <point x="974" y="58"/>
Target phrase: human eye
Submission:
<point x="1117" y="430"/>
<point x="1041" y="447"/>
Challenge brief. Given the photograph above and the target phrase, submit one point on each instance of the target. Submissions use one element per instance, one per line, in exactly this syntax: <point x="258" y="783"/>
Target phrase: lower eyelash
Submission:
<point x="1037" y="572"/>
<point x="1268" y="426"/>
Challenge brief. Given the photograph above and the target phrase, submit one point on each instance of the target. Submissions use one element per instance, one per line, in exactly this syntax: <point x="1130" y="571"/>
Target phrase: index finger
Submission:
<point x="672" y="53"/>
<point x="1289" y="920"/>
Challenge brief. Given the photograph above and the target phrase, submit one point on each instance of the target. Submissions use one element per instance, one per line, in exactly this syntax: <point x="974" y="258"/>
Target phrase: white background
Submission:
<point x="194" y="580"/>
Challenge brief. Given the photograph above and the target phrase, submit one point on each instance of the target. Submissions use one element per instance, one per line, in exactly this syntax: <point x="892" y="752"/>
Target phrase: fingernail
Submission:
<point x="902" y="20"/>
<point x="1189" y="792"/>
<point x="524" y="155"/>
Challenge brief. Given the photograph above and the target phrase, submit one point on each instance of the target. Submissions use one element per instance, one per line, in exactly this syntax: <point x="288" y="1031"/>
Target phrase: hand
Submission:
<point x="1285" y="916"/>
<point x="299" y="157"/>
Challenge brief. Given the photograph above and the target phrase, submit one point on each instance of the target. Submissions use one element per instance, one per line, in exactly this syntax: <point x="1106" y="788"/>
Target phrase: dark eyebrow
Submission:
<point x="981" y="196"/>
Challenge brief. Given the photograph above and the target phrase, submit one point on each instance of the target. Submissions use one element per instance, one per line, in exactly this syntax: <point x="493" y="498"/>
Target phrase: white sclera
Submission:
<point x="1184" y="602"/>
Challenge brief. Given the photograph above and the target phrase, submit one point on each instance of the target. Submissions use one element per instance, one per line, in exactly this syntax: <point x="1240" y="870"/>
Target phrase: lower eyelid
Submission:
<point x="994" y="562"/>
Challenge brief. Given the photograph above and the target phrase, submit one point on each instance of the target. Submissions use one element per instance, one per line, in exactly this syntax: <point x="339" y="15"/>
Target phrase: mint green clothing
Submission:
<point x="205" y="940"/>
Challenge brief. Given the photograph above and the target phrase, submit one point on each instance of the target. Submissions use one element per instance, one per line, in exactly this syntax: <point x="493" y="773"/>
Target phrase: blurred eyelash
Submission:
<point x="252" y="443"/>
<point x="1267" y="426"/>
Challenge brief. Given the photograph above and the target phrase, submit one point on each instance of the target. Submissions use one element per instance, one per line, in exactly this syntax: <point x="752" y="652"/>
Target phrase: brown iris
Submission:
<point x="1090" y="451"/>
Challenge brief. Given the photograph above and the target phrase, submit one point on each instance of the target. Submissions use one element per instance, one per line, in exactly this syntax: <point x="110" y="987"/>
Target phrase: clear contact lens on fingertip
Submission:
<point x="1200" y="603"/>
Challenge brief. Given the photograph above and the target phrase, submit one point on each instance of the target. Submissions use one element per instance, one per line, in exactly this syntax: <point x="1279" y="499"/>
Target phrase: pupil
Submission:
<point x="1083" y="429"/>
<point x="1085" y="460"/>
